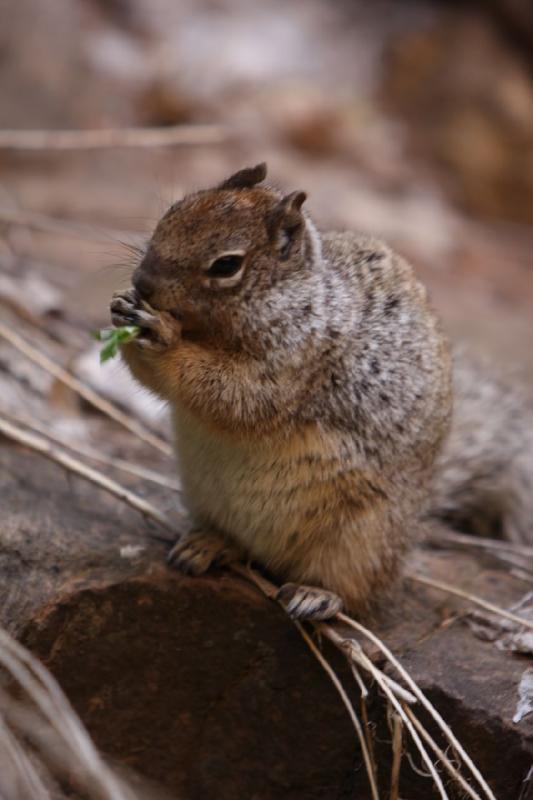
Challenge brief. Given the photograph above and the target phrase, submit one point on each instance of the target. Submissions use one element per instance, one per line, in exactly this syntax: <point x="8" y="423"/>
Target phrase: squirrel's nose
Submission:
<point x="143" y="284"/>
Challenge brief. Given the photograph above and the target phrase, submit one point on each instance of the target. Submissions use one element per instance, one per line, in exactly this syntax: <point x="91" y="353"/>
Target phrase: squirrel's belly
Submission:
<point x="268" y="495"/>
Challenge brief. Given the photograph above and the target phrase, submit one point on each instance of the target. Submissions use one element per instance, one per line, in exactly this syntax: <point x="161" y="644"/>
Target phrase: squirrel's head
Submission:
<point x="220" y="250"/>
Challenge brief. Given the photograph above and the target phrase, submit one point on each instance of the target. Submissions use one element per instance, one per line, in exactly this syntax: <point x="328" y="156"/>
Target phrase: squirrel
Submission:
<point x="310" y="384"/>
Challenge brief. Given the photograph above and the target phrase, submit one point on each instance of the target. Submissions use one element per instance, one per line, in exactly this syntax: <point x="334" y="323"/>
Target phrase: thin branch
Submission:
<point x="366" y="724"/>
<point x="51" y="452"/>
<point x="84" y="391"/>
<point x="379" y="677"/>
<point x="478" y="601"/>
<point x="345" y="699"/>
<point x="359" y="681"/>
<point x="264" y="585"/>
<point x="364" y="714"/>
<point x="270" y="591"/>
<point x="99" y="138"/>
<point x="396" y="757"/>
<point x="413" y="686"/>
<point x="441" y="755"/>
<point x="21" y="771"/>
<point x="481" y="543"/>
<point x="91" y="453"/>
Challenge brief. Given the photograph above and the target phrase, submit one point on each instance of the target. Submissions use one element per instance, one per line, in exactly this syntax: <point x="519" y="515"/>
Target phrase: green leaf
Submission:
<point x="113" y="338"/>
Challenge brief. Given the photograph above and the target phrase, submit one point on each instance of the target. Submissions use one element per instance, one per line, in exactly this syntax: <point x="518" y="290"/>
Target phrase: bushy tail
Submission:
<point x="483" y="483"/>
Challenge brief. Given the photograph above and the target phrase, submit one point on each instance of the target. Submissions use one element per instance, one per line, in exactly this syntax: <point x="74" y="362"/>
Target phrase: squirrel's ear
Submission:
<point x="245" y="178"/>
<point x="287" y="222"/>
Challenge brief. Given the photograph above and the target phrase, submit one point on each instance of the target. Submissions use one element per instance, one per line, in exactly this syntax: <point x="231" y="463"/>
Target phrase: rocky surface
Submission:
<point x="203" y="685"/>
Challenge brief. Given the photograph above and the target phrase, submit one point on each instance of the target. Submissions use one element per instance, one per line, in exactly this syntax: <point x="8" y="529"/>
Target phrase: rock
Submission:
<point x="203" y="685"/>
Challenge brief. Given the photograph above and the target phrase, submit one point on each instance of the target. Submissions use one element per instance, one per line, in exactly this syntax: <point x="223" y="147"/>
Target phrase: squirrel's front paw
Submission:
<point x="159" y="329"/>
<point x="196" y="551"/>
<point x="308" y="602"/>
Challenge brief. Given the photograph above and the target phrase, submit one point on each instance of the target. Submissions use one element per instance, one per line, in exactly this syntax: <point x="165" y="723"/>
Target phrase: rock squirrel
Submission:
<point x="310" y="385"/>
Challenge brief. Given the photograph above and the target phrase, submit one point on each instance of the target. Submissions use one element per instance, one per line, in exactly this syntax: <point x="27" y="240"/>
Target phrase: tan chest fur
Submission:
<point x="272" y="495"/>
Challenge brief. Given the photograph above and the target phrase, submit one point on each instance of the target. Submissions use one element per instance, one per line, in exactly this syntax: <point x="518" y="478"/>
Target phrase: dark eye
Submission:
<point x="225" y="266"/>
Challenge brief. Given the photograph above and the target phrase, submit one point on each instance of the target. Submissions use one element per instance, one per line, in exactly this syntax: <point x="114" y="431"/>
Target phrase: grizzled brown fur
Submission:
<point x="309" y="381"/>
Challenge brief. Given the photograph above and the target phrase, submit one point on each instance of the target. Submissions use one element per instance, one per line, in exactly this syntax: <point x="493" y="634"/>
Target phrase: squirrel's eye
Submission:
<point x="225" y="266"/>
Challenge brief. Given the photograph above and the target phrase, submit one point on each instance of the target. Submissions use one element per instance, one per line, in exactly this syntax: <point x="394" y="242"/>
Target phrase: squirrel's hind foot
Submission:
<point x="308" y="602"/>
<point x="196" y="551"/>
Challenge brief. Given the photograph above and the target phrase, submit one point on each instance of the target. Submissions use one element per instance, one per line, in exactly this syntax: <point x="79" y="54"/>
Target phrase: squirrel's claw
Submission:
<point x="308" y="602"/>
<point x="159" y="329"/>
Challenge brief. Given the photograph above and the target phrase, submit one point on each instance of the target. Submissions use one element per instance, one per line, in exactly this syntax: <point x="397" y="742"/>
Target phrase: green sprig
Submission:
<point x="113" y="338"/>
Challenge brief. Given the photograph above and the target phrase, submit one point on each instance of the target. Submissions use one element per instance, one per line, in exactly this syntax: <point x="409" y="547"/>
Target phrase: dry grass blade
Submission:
<point x="359" y="681"/>
<point x="95" y="455"/>
<point x="18" y="777"/>
<point x="76" y="747"/>
<point x="270" y="591"/>
<point x="364" y="716"/>
<point x="396" y="757"/>
<point x="385" y="682"/>
<point x="51" y="452"/>
<point x="413" y="686"/>
<point x="370" y="767"/>
<point x="98" y="138"/>
<point x="478" y="601"/>
<point x="378" y="676"/>
<point x="347" y="646"/>
<point x="84" y="391"/>
<point x="479" y="542"/>
<point x="441" y="755"/>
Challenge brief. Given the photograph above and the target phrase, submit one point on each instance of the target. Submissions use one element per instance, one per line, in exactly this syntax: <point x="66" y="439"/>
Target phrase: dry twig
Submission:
<point x="478" y="601"/>
<point x="481" y="543"/>
<point x="91" y="453"/>
<point x="369" y="763"/>
<point x="355" y="652"/>
<point x="441" y="755"/>
<point x="99" y="138"/>
<point x="385" y="682"/>
<point x="341" y="643"/>
<point x="413" y="686"/>
<point x="84" y="391"/>
<point x="364" y="716"/>
<point x="51" y="452"/>
<point x="396" y="757"/>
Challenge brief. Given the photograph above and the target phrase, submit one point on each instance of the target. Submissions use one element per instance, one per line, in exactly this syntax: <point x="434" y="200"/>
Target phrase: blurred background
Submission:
<point x="411" y="120"/>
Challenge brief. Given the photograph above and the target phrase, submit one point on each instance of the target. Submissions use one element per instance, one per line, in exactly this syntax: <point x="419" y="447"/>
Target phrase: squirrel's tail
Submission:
<point x="484" y="478"/>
